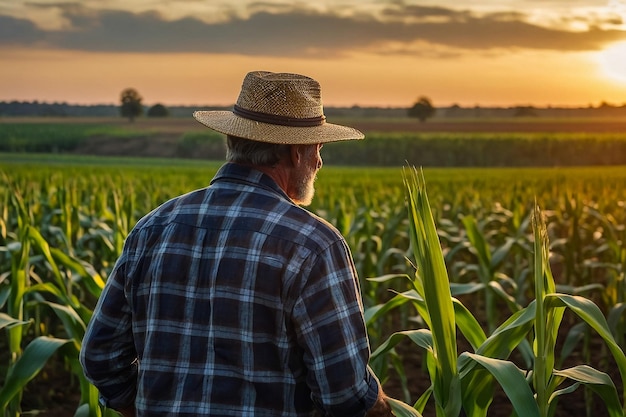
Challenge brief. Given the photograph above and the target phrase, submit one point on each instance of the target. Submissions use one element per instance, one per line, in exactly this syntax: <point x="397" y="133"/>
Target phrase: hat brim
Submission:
<point x="228" y="123"/>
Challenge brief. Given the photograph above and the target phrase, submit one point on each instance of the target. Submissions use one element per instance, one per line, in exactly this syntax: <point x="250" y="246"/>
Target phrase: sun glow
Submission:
<point x="613" y="61"/>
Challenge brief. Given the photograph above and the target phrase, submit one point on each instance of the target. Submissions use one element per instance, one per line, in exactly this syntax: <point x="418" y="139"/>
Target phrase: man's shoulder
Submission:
<point x="185" y="203"/>
<point x="311" y="226"/>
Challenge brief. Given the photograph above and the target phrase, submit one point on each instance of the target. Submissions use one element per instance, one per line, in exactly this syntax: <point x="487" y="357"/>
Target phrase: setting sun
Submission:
<point x="613" y="61"/>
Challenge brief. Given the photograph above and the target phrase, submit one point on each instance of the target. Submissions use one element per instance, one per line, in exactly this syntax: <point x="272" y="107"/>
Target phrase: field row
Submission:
<point x="389" y="147"/>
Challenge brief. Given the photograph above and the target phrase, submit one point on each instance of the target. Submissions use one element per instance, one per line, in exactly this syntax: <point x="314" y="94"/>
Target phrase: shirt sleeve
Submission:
<point x="328" y="318"/>
<point x="107" y="354"/>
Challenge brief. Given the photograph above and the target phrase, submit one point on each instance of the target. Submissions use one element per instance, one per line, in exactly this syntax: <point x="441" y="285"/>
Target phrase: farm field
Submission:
<point x="367" y="125"/>
<point x="63" y="218"/>
<point x="389" y="142"/>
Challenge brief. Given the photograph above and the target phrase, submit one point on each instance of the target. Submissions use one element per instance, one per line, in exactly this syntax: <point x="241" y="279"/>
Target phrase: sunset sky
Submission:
<point x="363" y="52"/>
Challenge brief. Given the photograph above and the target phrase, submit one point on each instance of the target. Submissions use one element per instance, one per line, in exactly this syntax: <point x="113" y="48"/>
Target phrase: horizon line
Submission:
<point x="353" y="106"/>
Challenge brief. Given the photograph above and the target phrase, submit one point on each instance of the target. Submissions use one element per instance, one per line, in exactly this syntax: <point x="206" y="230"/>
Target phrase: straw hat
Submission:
<point x="278" y="108"/>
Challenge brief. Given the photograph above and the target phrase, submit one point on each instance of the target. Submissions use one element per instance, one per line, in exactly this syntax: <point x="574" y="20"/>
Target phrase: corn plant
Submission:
<point x="488" y="266"/>
<point x="548" y="315"/>
<point x="470" y="375"/>
<point x="42" y="281"/>
<point x="431" y="295"/>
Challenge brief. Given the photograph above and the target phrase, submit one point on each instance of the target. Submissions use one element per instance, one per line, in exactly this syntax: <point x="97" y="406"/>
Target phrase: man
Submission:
<point x="233" y="300"/>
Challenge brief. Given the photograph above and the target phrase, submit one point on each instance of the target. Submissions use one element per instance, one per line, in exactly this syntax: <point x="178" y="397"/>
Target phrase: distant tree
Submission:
<point x="422" y="109"/>
<point x="454" y="110"/>
<point x="131" y="104"/>
<point x="158" y="110"/>
<point x="606" y="105"/>
<point x="525" y="111"/>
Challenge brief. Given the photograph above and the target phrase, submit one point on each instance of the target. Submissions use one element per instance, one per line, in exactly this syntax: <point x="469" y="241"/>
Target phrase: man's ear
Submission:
<point x="296" y="153"/>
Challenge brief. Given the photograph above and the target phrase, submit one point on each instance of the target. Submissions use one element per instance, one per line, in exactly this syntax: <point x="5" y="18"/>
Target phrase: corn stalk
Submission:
<point x="456" y="382"/>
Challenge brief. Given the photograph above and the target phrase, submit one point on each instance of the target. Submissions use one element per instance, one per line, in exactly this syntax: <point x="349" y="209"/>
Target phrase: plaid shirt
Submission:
<point x="232" y="301"/>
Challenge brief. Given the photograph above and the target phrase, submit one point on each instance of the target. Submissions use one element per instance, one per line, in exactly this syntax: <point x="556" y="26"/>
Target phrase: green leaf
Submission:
<point x="509" y="334"/>
<point x="5" y="292"/>
<point x="591" y="314"/>
<point x="500" y="254"/>
<point x="468" y="325"/>
<point x="371" y="314"/>
<point x="82" y="411"/>
<point x="8" y="321"/>
<point x="478" y="241"/>
<point x="599" y="382"/>
<point x="388" y="277"/>
<point x="478" y="391"/>
<point x="401" y="409"/>
<point x="422" y="401"/>
<point x="512" y="381"/>
<point x="421" y="337"/>
<point x="457" y="289"/>
<point x="73" y="324"/>
<point x="28" y="366"/>
<point x="501" y="292"/>
<point x="575" y="334"/>
<point x="93" y="281"/>
<point x="39" y="241"/>
<point x="615" y="316"/>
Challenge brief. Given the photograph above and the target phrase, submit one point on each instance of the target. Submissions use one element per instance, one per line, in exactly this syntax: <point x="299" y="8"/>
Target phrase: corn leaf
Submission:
<point x="41" y="244"/>
<point x="512" y="381"/>
<point x="500" y="254"/>
<point x="93" y="281"/>
<point x="401" y="409"/>
<point x="28" y="366"/>
<point x="591" y="314"/>
<point x="388" y="277"/>
<point x="478" y="242"/>
<point x="509" y="334"/>
<point x="468" y="325"/>
<point x="5" y="291"/>
<point x="421" y="337"/>
<point x="478" y="391"/>
<point x="597" y="381"/>
<point x="457" y="289"/>
<point x="373" y="313"/>
<point x="73" y="324"/>
<point x="434" y="276"/>
<point x="8" y="321"/>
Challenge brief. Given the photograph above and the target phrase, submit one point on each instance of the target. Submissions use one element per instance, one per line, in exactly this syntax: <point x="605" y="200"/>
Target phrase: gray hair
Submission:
<point x="246" y="151"/>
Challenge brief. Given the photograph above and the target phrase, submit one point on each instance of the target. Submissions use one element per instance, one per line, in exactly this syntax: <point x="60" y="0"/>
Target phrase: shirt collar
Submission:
<point x="233" y="172"/>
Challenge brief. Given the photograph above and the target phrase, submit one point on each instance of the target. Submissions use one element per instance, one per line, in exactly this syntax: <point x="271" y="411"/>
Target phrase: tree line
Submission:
<point x="132" y="106"/>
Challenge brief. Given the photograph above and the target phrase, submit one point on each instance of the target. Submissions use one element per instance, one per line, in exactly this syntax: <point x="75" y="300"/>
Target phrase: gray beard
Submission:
<point x="305" y="189"/>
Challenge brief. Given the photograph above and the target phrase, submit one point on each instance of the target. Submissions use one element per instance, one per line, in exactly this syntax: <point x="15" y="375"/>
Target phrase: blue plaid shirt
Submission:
<point x="232" y="301"/>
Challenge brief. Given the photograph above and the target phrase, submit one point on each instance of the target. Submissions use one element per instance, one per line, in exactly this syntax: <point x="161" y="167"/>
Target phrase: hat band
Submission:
<point x="279" y="120"/>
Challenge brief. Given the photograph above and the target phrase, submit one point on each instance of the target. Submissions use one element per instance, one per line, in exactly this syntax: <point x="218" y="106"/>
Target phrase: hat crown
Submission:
<point x="281" y="94"/>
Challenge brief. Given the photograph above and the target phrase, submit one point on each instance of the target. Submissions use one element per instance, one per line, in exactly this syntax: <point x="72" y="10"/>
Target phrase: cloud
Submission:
<point x="297" y="31"/>
<point x="18" y="31"/>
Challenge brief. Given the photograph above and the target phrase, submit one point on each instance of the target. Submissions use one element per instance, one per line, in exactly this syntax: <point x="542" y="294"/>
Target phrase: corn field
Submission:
<point x="497" y="280"/>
